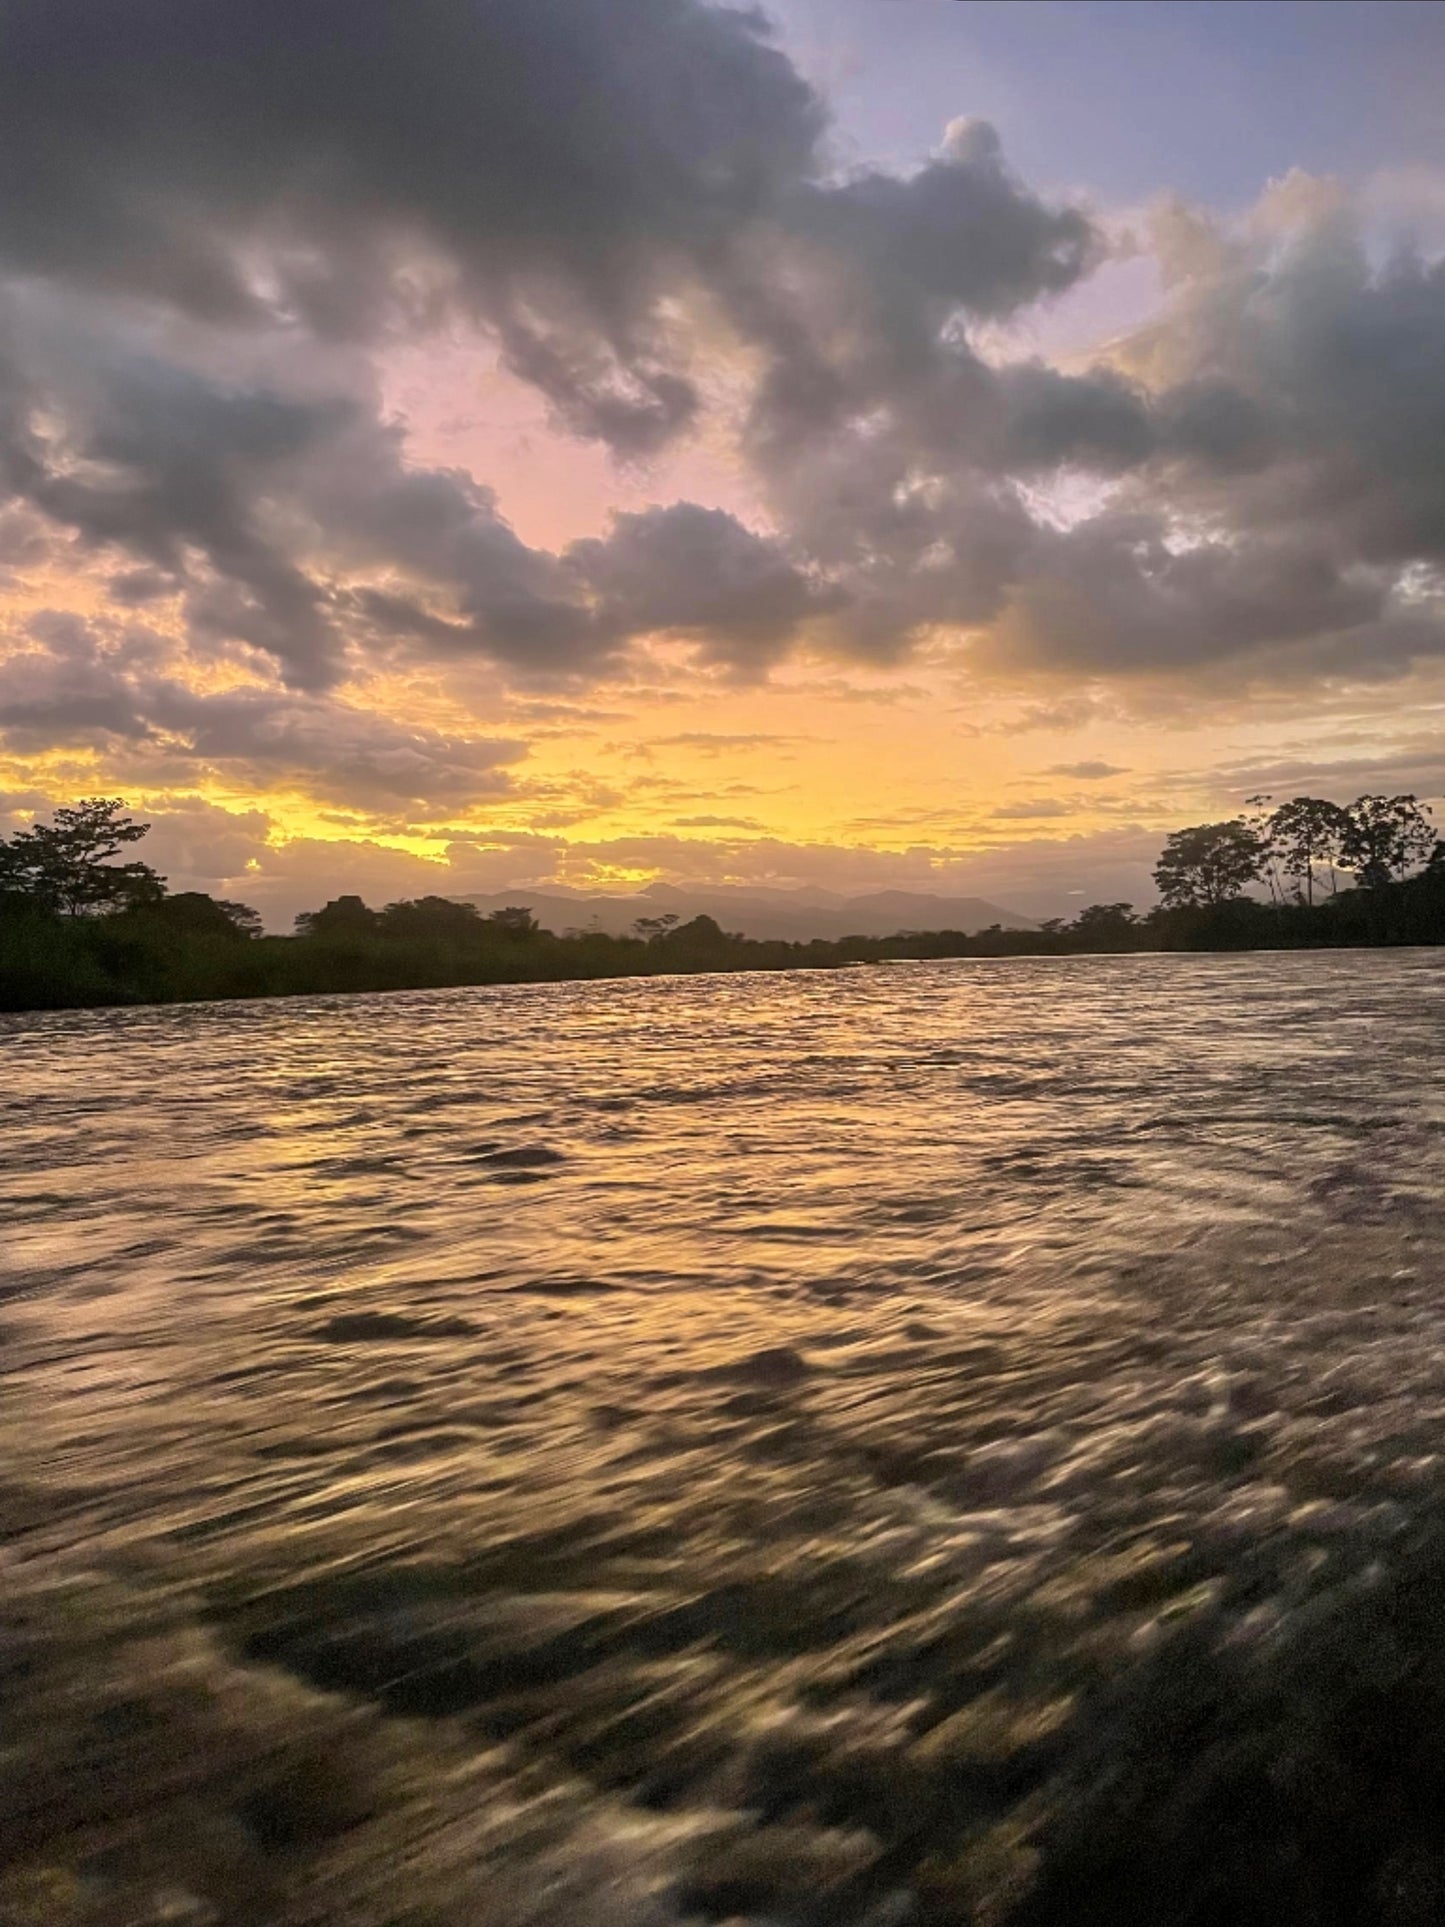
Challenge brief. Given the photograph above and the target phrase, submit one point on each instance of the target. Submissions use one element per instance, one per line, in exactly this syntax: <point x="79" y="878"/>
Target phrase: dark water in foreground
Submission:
<point x="938" y="1444"/>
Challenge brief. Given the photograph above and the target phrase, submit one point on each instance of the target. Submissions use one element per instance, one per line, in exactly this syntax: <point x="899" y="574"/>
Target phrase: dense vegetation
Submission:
<point x="79" y="928"/>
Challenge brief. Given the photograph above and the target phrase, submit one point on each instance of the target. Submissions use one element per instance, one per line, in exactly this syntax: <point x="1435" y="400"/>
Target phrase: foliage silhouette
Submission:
<point x="1305" y="834"/>
<point x="1383" y="838"/>
<point x="1105" y="926"/>
<point x="342" y="917"/>
<point x="1210" y="864"/>
<point x="193" y="913"/>
<point x="654" y="929"/>
<point x="424" y="918"/>
<point x="515" y="921"/>
<point x="66" y="866"/>
<point x="111" y="935"/>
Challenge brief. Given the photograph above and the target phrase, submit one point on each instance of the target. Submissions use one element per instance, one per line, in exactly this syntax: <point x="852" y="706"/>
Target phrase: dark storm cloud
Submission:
<point x="571" y="136"/>
<point x="562" y="168"/>
<point x="349" y="755"/>
<point x="962" y="232"/>
<point x="696" y="572"/>
<point x="26" y="539"/>
<point x="134" y="588"/>
<point x="699" y="573"/>
<point x="1099" y="422"/>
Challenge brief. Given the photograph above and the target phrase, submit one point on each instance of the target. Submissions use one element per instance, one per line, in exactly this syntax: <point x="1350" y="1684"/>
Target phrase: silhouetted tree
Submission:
<point x="1303" y="833"/>
<point x="1108" y="925"/>
<point x="246" y="921"/>
<point x="193" y="913"/>
<point x="1258" y="820"/>
<point x="431" y="917"/>
<point x="1211" y="863"/>
<point x="1384" y="837"/>
<point x="515" y="921"/>
<point x="342" y="917"/>
<point x="654" y="929"/>
<point x="699" y="937"/>
<point x="66" y="866"/>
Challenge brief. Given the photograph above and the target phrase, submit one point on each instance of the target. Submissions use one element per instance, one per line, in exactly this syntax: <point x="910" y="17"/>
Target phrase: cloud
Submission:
<point x="710" y="742"/>
<point x="1033" y="808"/>
<point x="698" y="573"/>
<point x="1417" y="766"/>
<point x="1093" y="770"/>
<point x="565" y="170"/>
<point x="562" y="715"/>
<point x="1119" y="596"/>
<point x="608" y="189"/>
<point x="716" y="823"/>
<point x="197" y="845"/>
<point x="84" y="685"/>
<point x="1267" y="498"/>
<point x="1288" y="511"/>
<point x="293" y="525"/>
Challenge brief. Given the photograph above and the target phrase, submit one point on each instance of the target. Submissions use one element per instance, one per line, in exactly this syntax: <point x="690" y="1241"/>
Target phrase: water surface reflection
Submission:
<point x="945" y="1443"/>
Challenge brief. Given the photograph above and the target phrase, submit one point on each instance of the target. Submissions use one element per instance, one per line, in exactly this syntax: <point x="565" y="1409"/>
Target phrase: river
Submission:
<point x="938" y="1443"/>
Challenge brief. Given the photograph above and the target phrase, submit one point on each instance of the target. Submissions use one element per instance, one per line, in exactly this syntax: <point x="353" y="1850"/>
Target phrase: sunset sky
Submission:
<point x="473" y="444"/>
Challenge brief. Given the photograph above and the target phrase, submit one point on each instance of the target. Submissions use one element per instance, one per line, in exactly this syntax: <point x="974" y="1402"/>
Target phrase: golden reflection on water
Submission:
<point x="743" y="1448"/>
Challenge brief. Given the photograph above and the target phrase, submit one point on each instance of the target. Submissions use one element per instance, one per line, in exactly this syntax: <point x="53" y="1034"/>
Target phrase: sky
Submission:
<point x="932" y="444"/>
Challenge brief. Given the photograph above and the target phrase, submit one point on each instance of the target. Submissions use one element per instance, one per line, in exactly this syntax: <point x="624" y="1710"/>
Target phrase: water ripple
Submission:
<point x="953" y="1443"/>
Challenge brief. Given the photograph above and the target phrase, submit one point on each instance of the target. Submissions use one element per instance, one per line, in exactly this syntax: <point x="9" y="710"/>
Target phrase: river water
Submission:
<point x="941" y="1443"/>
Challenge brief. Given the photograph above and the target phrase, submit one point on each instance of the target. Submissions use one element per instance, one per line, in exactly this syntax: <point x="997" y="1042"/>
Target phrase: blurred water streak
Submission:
<point x="824" y="1447"/>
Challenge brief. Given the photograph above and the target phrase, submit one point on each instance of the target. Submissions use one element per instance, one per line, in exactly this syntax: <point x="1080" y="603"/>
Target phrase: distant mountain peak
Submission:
<point x="795" y="916"/>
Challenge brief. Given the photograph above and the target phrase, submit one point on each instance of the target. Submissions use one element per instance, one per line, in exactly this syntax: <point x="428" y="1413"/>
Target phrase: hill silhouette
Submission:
<point x="789" y="916"/>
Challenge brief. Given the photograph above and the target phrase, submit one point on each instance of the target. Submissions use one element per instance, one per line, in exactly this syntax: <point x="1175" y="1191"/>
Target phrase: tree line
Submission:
<point x="1296" y="849"/>
<point x="83" y="921"/>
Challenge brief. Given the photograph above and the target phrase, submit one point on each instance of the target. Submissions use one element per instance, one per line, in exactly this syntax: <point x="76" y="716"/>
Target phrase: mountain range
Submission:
<point x="794" y="915"/>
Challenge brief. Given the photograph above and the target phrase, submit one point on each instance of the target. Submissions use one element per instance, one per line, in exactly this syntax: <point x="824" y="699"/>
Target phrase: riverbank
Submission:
<point x="149" y="957"/>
